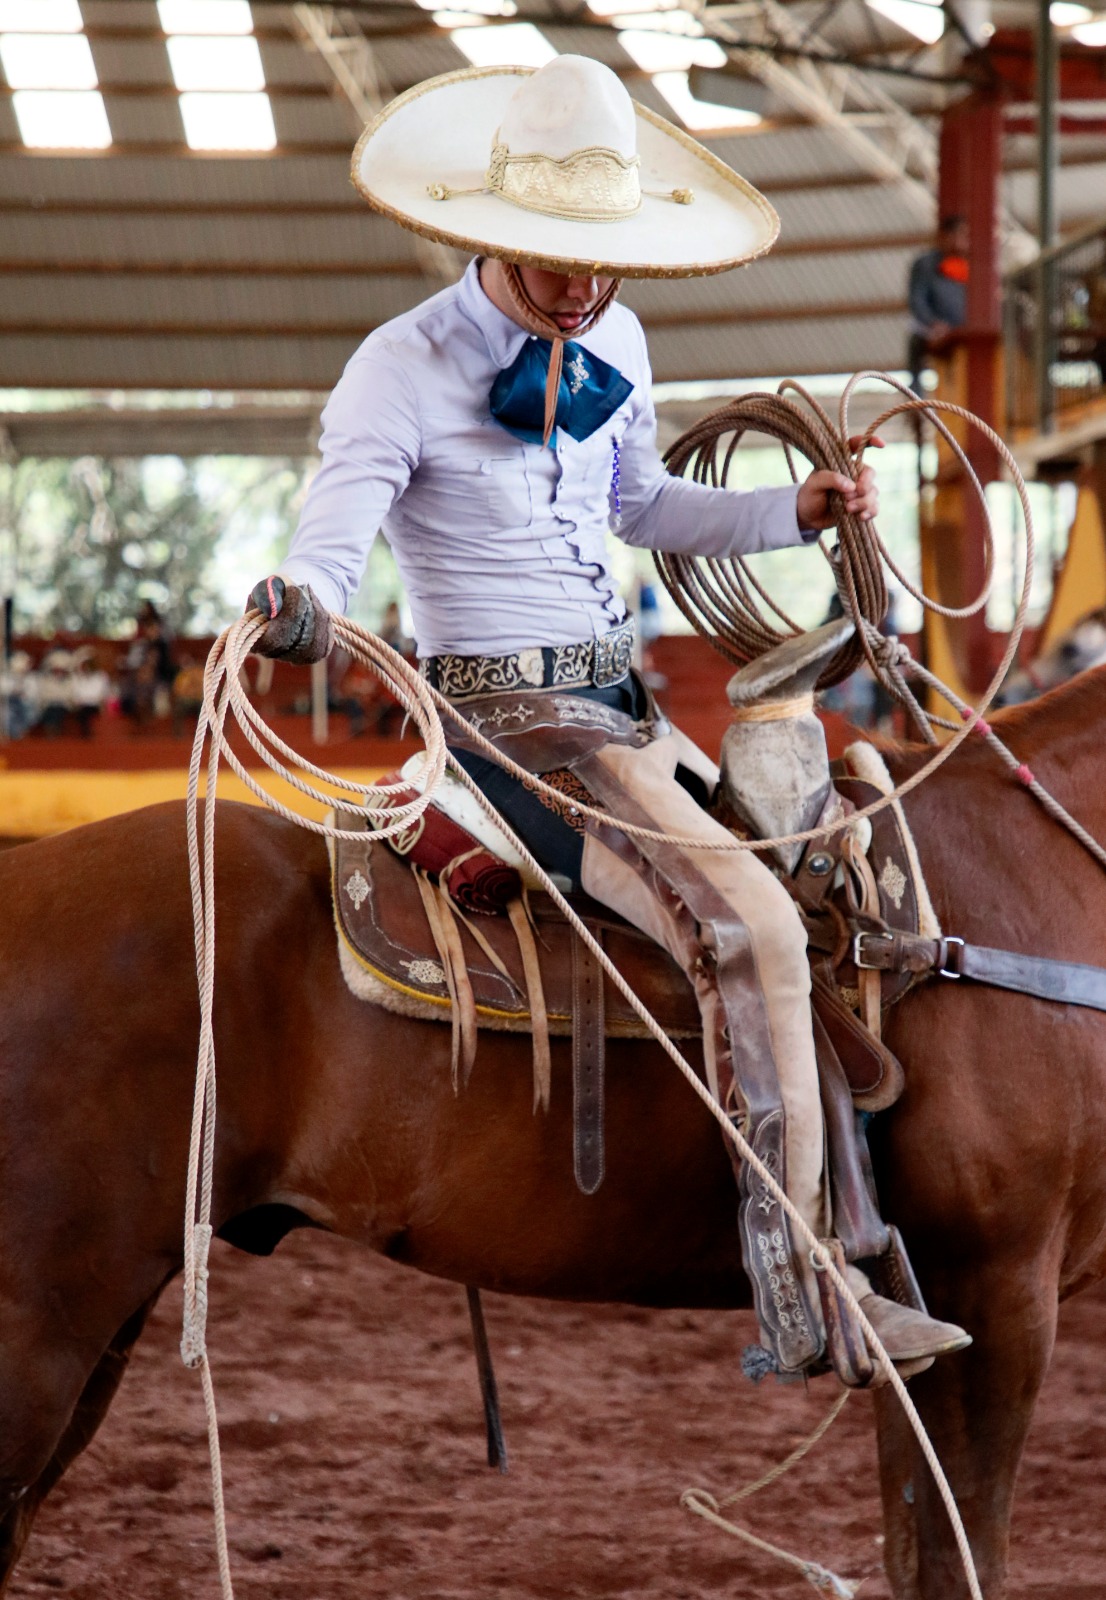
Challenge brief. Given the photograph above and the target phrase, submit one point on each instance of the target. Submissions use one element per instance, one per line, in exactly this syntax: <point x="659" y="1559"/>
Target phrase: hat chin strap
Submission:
<point x="531" y="317"/>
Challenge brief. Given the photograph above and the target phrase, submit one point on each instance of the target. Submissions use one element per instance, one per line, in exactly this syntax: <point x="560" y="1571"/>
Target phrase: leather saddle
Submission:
<point x="382" y="920"/>
<point x="382" y="924"/>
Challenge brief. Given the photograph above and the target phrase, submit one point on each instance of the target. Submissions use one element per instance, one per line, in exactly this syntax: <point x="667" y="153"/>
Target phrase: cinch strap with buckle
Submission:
<point x="1066" y="982"/>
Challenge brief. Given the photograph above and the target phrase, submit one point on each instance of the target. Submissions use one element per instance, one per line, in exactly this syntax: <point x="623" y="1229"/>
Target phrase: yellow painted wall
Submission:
<point x="34" y="804"/>
<point x="1081" y="581"/>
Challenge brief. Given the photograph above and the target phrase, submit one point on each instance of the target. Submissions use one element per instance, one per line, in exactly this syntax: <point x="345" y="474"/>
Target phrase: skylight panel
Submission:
<point x="47" y="61"/>
<point x="613" y="8"/>
<point x="45" y="16"/>
<point x="667" y="46"/>
<point x="49" y="67"/>
<point x="216" y="63"/>
<point x="205" y="17"/>
<point x="1064" y="13"/>
<point x="700" y="116"/>
<point x="516" y="44"/>
<point x="652" y="33"/>
<point x="681" y="23"/>
<point x="666" y="52"/>
<point x="217" y="68"/>
<point x="923" y="18"/>
<point x="475" y="10"/>
<point x="55" y="119"/>
<point x="228" y="121"/>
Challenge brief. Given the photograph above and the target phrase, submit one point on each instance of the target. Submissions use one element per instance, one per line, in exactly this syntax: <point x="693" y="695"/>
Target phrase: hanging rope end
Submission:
<point x="827" y="1582"/>
<point x="193" y="1341"/>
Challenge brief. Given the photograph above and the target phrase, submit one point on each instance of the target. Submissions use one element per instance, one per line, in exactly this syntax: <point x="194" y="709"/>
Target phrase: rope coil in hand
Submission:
<point x="723" y="600"/>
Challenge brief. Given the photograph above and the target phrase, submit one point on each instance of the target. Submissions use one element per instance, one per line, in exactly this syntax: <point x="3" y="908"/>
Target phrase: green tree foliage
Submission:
<point x="89" y="540"/>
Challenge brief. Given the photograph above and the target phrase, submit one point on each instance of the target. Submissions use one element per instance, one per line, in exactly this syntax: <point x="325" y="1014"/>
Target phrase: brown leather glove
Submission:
<point x="299" y="629"/>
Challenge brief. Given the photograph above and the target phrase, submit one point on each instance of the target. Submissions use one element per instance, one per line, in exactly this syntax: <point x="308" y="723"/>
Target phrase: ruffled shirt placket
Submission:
<point x="500" y="544"/>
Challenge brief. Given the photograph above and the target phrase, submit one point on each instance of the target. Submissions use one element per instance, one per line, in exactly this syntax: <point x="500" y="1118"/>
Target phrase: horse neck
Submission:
<point x="1060" y="739"/>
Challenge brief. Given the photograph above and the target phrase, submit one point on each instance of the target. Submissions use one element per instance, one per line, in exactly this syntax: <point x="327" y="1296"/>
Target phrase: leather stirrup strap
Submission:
<point x="864" y="897"/>
<point x="856" y="1222"/>
<point x="588" y="1062"/>
<point x="1070" y="983"/>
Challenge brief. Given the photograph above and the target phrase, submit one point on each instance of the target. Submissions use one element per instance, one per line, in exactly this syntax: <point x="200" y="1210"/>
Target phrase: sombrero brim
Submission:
<point x="441" y="132"/>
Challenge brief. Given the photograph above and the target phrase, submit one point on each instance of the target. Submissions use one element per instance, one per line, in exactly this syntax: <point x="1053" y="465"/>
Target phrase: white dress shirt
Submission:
<point x="500" y="544"/>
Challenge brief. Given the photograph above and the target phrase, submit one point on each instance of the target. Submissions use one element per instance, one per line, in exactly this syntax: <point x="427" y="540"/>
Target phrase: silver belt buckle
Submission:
<point x="614" y="653"/>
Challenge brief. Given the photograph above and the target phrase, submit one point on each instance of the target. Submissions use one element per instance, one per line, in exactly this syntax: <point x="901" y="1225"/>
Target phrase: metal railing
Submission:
<point x="1056" y="364"/>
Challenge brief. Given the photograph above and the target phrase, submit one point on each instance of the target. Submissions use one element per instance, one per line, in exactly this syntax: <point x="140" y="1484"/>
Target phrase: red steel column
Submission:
<point x="968" y="186"/>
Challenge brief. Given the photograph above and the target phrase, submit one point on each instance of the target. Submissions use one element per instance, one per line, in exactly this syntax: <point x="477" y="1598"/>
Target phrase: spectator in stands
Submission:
<point x="391" y="630"/>
<point x="55" y="692"/>
<point x="650" y="626"/>
<point x="340" y="698"/>
<point x="18" y="689"/>
<point x="148" y="669"/>
<point x="938" y="294"/>
<point x="89" y="687"/>
<point x="1096" y="317"/>
<point x="384" y="708"/>
<point x="188" y="692"/>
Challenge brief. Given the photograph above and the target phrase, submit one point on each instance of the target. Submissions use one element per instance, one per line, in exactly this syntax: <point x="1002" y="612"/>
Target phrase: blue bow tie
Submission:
<point x="589" y="392"/>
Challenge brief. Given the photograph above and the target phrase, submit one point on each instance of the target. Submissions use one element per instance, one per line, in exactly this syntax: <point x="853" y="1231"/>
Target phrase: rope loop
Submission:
<point x="726" y="603"/>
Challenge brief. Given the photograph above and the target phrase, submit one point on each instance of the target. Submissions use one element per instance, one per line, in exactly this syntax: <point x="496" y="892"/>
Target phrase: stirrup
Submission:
<point x="846" y="1347"/>
<point x="775" y="767"/>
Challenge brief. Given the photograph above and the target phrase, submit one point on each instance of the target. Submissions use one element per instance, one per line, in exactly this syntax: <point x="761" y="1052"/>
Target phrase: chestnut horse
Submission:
<point x="341" y="1116"/>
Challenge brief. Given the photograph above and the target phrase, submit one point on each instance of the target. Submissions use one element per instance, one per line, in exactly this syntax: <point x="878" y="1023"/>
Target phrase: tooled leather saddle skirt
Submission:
<point x="386" y="939"/>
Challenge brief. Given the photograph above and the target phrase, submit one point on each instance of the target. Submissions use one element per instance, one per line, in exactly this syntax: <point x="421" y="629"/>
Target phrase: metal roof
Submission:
<point x="150" y="265"/>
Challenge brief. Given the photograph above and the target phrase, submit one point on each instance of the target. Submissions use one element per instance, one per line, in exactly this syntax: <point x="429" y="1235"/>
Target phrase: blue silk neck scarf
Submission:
<point x="589" y="392"/>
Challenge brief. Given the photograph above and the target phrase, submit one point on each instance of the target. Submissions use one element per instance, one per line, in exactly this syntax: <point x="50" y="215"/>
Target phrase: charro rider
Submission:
<point x="495" y="433"/>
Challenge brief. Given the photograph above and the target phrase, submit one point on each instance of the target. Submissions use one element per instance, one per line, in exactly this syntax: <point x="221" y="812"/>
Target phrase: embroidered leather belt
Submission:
<point x="595" y="663"/>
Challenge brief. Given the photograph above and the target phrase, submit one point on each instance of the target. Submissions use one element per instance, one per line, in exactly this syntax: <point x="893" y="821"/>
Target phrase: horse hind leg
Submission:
<point x="977" y="1406"/>
<point x="20" y="1498"/>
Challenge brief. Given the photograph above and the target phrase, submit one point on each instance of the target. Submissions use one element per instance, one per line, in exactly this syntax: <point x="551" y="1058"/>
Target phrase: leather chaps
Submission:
<point x="713" y="946"/>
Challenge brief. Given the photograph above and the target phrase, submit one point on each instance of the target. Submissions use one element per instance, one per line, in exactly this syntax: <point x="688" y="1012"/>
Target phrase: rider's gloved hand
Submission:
<point x="299" y="629"/>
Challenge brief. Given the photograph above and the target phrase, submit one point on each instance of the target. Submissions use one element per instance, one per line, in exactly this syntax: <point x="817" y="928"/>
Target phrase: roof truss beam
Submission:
<point x="339" y="41"/>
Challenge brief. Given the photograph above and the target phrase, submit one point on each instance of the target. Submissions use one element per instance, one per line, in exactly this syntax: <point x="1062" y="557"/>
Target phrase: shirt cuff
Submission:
<point x="779" y="519"/>
<point x="305" y="574"/>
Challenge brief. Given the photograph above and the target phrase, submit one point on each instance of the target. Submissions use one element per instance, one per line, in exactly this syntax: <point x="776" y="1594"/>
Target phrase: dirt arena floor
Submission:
<point x="354" y="1454"/>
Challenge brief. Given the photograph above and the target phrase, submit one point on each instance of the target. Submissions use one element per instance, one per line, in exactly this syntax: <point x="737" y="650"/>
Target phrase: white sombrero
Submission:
<point x="558" y="168"/>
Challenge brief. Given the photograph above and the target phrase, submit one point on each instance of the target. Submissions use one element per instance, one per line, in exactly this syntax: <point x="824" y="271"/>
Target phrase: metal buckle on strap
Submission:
<point x="613" y="655"/>
<point x="858" y="951"/>
<point x="944" y="970"/>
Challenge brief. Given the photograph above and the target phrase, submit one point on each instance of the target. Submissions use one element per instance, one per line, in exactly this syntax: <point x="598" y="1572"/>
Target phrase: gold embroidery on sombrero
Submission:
<point x="590" y="185"/>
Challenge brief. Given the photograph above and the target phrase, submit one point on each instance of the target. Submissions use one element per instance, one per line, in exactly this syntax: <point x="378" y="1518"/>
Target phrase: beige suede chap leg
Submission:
<point x="751" y="1009"/>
